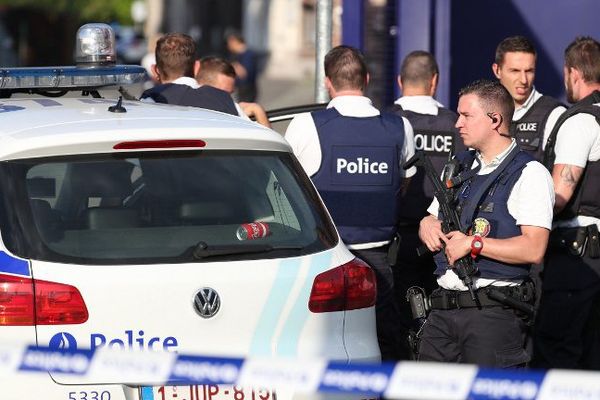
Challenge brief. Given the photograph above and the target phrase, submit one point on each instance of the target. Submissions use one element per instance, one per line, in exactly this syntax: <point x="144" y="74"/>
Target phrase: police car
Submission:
<point x="150" y="227"/>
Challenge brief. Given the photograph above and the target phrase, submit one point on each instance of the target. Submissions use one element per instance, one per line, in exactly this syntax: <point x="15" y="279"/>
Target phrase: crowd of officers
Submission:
<point x="524" y="187"/>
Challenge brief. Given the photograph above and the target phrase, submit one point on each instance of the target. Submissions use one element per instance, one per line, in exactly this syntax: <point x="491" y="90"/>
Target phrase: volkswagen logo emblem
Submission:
<point x="207" y="302"/>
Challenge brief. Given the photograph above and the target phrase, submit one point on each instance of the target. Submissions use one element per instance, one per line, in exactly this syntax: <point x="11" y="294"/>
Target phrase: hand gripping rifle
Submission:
<point x="464" y="267"/>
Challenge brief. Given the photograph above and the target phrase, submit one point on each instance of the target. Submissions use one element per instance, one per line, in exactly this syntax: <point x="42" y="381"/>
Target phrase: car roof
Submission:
<point x="39" y="126"/>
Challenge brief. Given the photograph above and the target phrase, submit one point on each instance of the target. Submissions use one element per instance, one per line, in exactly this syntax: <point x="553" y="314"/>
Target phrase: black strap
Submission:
<point x="518" y="297"/>
<point x="474" y="199"/>
<point x="585" y="105"/>
<point x="452" y="300"/>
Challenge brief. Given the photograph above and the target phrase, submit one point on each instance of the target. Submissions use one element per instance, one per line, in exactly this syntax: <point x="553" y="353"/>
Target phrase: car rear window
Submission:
<point x="156" y="207"/>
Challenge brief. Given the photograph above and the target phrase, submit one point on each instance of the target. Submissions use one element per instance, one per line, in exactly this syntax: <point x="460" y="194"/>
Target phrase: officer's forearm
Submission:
<point x="565" y="178"/>
<point x="527" y="248"/>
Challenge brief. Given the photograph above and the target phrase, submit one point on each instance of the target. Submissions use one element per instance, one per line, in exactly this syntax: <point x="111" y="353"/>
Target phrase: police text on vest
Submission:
<point x="434" y="143"/>
<point x="527" y="127"/>
<point x="361" y="166"/>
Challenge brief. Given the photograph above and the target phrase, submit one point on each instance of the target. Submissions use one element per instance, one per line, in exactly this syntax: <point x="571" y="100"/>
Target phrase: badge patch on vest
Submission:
<point x="354" y="165"/>
<point x="481" y="227"/>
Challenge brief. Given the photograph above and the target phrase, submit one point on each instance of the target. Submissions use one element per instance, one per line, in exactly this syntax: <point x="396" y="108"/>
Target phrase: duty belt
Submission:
<point x="442" y="299"/>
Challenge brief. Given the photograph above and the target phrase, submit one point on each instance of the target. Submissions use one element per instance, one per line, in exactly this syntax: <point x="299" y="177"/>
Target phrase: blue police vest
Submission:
<point x="359" y="177"/>
<point x="493" y="208"/>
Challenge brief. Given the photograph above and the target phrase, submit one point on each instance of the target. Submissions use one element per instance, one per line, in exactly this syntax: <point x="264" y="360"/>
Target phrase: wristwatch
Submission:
<point x="476" y="246"/>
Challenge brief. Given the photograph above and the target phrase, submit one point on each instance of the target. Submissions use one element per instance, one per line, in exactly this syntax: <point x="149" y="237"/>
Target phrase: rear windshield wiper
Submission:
<point x="202" y="250"/>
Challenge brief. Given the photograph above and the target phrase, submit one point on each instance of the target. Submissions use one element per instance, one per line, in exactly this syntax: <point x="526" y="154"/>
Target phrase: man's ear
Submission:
<point x="155" y="72"/>
<point x="575" y="74"/>
<point x="329" y="86"/>
<point x="496" y="70"/>
<point x="433" y="84"/>
<point x="399" y="81"/>
<point x="196" y="67"/>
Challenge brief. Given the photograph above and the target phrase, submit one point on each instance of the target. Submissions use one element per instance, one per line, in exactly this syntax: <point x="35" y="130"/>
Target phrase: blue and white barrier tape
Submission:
<point x="404" y="380"/>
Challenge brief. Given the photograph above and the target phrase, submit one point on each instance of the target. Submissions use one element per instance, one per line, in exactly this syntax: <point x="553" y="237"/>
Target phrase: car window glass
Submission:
<point x="150" y="207"/>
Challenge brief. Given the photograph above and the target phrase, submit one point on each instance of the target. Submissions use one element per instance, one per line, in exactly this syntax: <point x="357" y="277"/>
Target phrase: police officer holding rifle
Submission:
<point x="503" y="200"/>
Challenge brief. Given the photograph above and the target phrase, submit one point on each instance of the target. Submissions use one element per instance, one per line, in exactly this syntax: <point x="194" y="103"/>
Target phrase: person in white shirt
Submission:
<point x="354" y="156"/>
<point x="436" y="135"/>
<point x="535" y="114"/>
<point x="175" y="68"/>
<point x="505" y="199"/>
<point x="218" y="72"/>
<point x="567" y="329"/>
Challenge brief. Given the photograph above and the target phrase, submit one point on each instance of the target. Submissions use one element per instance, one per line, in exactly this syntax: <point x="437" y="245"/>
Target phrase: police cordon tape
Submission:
<point x="403" y="380"/>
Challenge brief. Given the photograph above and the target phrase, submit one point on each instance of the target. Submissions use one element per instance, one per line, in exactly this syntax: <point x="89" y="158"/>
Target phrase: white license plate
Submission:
<point x="206" y="392"/>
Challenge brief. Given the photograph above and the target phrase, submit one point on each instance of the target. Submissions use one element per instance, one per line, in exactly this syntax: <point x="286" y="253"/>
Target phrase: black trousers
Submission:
<point x="392" y="332"/>
<point x="567" y="328"/>
<point x="491" y="337"/>
<point x="411" y="270"/>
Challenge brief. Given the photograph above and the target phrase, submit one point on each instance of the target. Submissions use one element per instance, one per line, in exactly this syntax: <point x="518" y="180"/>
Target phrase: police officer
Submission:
<point x="436" y="135"/>
<point x="353" y="154"/>
<point x="506" y="199"/>
<point x="535" y="114"/>
<point x="567" y="333"/>
<point x="175" y="69"/>
<point x="218" y="72"/>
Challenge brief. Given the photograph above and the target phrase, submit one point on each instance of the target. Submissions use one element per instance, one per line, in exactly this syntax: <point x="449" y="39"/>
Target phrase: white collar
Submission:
<point x="354" y="106"/>
<point x="499" y="158"/>
<point x="419" y="104"/>
<point x="186" y="80"/>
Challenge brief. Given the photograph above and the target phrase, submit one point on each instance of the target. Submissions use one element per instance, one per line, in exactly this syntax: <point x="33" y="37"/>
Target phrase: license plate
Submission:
<point x="205" y="392"/>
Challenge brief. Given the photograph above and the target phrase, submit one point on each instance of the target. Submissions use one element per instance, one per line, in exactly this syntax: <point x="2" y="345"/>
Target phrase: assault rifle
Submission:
<point x="464" y="267"/>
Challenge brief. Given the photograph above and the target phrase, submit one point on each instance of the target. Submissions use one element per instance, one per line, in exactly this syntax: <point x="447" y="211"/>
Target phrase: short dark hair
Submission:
<point x="346" y="68"/>
<point x="235" y="35"/>
<point x="493" y="97"/>
<point x="584" y="54"/>
<point x="211" y="66"/>
<point x="514" y="44"/>
<point x="418" y="68"/>
<point x="175" y="55"/>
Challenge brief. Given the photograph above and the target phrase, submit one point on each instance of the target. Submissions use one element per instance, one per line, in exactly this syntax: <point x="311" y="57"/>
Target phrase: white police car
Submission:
<point x="141" y="226"/>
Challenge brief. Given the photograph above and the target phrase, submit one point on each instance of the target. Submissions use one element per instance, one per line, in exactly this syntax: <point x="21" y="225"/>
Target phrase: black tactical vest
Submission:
<point x="205" y="96"/>
<point x="437" y="136"/>
<point x="586" y="199"/>
<point x="528" y="131"/>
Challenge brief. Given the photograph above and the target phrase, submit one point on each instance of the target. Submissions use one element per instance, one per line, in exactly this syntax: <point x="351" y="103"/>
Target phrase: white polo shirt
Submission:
<point x="577" y="142"/>
<point x="302" y="136"/>
<point x="552" y="118"/>
<point x="530" y="202"/>
<point x="420" y="104"/>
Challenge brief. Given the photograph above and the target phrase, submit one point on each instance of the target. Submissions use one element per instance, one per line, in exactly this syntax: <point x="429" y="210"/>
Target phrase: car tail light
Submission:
<point x="347" y="287"/>
<point x="53" y="303"/>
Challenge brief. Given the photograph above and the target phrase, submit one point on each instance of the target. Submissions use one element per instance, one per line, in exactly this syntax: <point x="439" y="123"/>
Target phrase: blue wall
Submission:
<point x="463" y="35"/>
<point x="477" y="26"/>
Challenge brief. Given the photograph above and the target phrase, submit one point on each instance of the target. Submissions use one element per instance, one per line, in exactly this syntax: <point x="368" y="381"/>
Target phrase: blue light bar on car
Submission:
<point x="70" y="77"/>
